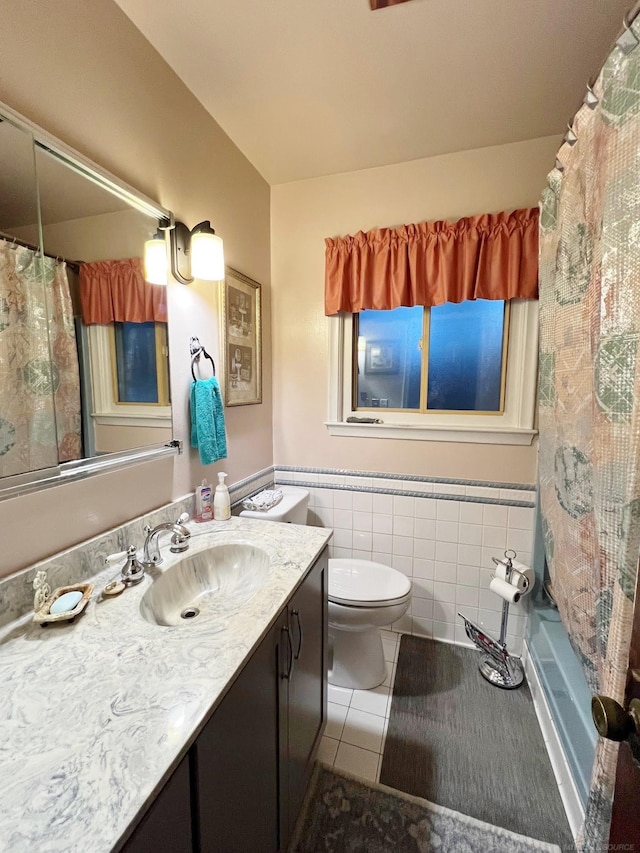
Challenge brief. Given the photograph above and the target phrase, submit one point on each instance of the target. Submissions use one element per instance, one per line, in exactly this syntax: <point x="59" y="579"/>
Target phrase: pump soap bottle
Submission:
<point x="221" y="500"/>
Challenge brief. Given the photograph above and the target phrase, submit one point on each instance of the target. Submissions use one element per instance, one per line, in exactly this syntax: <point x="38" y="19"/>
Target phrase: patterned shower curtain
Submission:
<point x="590" y="393"/>
<point x="39" y="374"/>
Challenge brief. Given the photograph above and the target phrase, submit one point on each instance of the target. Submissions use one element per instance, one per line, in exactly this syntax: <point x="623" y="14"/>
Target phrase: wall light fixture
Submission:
<point x="195" y="253"/>
<point x="156" y="269"/>
<point x="198" y="253"/>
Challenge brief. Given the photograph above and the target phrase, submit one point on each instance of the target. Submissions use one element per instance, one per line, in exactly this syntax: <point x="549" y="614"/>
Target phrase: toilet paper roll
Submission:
<point x="522" y="576"/>
<point x="505" y="590"/>
<point x="527" y="571"/>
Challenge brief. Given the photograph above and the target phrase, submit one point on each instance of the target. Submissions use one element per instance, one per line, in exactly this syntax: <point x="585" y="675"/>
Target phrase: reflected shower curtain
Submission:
<point x="39" y="376"/>
<point x="590" y="393"/>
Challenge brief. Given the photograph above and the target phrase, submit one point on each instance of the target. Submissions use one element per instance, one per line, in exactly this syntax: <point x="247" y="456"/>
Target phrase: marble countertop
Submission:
<point x="95" y="714"/>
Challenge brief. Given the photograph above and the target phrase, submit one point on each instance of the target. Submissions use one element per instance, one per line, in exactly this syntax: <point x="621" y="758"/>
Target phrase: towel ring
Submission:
<point x="196" y="357"/>
<point x="196" y="349"/>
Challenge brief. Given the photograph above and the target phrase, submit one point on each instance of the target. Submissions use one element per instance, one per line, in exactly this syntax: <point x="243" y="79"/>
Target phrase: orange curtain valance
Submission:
<point x="116" y="292"/>
<point x="492" y="256"/>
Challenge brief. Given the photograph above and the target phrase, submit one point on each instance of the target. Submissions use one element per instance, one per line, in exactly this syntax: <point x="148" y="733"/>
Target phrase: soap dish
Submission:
<point x="43" y="616"/>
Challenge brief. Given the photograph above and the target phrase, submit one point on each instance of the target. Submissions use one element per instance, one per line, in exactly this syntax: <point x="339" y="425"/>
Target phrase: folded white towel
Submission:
<point x="264" y="500"/>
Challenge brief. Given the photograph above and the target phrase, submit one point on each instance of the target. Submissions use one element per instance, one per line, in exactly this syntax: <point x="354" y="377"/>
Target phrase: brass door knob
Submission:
<point x="612" y="721"/>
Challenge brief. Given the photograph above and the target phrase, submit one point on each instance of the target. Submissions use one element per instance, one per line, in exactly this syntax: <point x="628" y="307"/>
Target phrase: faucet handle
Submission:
<point x="181" y="535"/>
<point x="133" y="570"/>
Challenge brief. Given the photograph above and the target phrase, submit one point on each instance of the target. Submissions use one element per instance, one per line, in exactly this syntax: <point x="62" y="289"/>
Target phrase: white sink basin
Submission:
<point x="215" y="582"/>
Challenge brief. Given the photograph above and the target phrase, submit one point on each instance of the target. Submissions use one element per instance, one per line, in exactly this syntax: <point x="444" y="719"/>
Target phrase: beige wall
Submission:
<point x="302" y="215"/>
<point x="84" y="73"/>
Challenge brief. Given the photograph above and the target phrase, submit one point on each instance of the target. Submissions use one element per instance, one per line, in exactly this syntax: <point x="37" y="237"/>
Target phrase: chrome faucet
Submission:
<point x="179" y="540"/>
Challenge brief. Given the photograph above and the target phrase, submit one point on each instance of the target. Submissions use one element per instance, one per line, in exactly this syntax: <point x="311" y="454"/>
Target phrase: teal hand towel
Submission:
<point x="207" y="420"/>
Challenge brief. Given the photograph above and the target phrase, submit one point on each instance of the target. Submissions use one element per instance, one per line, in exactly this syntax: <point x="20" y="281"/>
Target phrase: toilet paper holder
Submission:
<point x="496" y="664"/>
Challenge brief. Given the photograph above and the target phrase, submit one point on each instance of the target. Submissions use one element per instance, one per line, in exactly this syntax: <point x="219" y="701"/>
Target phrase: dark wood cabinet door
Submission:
<point x="307" y="686"/>
<point x="236" y="761"/>
<point x="625" y="818"/>
<point x="167" y="823"/>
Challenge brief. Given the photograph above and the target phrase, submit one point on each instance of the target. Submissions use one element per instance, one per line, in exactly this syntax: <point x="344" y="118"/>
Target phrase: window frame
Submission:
<point x="515" y="425"/>
<point x="107" y="410"/>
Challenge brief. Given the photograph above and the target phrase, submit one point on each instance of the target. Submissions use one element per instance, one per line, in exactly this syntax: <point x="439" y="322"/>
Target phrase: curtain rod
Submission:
<point x="590" y="98"/>
<point x="9" y="238"/>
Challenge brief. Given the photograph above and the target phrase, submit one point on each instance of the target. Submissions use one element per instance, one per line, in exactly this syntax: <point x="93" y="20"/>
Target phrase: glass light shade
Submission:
<point x="155" y="260"/>
<point x="207" y="256"/>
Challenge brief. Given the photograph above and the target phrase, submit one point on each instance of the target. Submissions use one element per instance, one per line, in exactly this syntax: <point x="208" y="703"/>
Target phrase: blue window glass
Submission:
<point x="136" y="362"/>
<point x="461" y="357"/>
<point x="465" y="356"/>
<point x="389" y="359"/>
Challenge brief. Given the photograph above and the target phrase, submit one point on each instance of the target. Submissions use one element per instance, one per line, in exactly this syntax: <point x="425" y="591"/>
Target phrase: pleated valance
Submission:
<point x="491" y="256"/>
<point x="116" y="292"/>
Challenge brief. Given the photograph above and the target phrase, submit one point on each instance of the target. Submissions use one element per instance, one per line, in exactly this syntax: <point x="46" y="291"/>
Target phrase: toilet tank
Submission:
<point x="292" y="508"/>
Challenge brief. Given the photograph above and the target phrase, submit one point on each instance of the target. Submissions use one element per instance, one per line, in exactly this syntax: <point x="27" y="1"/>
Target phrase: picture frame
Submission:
<point x="241" y="341"/>
<point x="380" y="357"/>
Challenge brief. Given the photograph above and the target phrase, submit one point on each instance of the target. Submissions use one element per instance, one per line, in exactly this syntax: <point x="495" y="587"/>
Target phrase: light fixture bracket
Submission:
<point x="180" y="240"/>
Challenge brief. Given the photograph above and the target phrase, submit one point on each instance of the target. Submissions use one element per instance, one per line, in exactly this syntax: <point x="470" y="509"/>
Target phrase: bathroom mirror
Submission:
<point x="76" y="393"/>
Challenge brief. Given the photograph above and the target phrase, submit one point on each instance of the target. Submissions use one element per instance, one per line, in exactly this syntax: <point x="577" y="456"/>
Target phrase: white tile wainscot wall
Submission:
<point x="440" y="534"/>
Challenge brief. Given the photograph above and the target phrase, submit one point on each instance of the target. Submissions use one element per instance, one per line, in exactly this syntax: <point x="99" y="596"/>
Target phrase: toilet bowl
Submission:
<point x="363" y="597"/>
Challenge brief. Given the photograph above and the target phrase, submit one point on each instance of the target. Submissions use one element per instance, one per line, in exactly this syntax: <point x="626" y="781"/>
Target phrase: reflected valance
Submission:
<point x="116" y="292"/>
<point x="491" y="256"/>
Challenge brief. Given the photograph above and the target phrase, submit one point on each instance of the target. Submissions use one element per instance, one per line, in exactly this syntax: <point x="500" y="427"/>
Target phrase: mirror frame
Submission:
<point x="19" y="484"/>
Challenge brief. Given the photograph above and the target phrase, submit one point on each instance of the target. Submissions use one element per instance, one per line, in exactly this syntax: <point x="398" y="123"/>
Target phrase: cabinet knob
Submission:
<point x="612" y="721"/>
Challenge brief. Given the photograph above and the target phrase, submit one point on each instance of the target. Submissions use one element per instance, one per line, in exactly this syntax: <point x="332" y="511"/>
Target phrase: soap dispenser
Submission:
<point x="221" y="500"/>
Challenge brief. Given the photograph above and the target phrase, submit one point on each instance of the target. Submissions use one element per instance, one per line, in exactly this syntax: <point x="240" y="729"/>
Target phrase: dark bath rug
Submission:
<point x="458" y="741"/>
<point x="343" y="814"/>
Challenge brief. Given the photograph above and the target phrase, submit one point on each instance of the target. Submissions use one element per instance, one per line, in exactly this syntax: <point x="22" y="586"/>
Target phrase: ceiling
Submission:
<point x="315" y="87"/>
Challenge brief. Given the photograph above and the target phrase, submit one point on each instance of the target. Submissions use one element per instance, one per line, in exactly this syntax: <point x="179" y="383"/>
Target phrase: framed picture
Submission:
<point x="380" y="357"/>
<point x="241" y="340"/>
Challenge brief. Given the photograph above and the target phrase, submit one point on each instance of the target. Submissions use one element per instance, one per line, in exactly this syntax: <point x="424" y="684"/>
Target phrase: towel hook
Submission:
<point x="196" y="349"/>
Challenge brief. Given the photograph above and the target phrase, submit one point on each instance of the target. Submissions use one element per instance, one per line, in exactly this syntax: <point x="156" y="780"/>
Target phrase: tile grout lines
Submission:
<point x="357" y="722"/>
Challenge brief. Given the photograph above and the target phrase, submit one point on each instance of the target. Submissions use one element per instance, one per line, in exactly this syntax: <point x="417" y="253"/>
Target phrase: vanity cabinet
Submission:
<point x="251" y="763"/>
<point x="305" y="690"/>
<point x="240" y="787"/>
<point x="167" y="824"/>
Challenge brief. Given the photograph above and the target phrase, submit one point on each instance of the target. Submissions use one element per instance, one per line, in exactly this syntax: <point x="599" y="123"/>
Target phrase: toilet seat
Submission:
<point x="362" y="583"/>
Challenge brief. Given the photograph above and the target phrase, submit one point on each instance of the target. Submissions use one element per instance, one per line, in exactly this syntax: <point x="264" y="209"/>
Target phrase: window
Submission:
<point x="448" y="358"/>
<point x="130" y="374"/>
<point x="140" y="353"/>
<point x="455" y="372"/>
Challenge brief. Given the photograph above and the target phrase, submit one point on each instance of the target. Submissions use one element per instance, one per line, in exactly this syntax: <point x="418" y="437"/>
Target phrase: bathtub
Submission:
<point x="566" y="691"/>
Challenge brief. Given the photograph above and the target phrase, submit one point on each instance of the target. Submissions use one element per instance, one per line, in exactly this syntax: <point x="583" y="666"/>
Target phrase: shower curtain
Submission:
<point x="589" y="390"/>
<point x="39" y="375"/>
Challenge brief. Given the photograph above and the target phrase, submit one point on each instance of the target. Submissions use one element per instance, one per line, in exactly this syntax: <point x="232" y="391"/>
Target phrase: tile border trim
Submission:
<point x="413" y="478"/>
<point x="267" y="478"/>
<point x="407" y="493"/>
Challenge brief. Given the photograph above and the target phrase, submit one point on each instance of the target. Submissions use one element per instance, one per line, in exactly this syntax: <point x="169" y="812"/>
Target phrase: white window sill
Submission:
<point x="420" y="432"/>
<point x="127" y="419"/>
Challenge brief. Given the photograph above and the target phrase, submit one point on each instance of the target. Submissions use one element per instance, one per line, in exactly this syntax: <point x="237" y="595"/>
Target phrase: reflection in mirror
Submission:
<point x="83" y="338"/>
<point x="126" y="389"/>
<point x="28" y="439"/>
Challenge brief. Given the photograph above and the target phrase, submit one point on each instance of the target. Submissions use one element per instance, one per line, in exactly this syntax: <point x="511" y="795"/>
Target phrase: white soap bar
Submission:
<point x="66" y="602"/>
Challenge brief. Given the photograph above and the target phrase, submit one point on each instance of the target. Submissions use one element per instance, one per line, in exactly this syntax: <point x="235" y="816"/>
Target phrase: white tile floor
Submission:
<point x="357" y="722"/>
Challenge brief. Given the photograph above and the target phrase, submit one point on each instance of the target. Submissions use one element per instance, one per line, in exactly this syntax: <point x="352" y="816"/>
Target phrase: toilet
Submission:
<point x="363" y="597"/>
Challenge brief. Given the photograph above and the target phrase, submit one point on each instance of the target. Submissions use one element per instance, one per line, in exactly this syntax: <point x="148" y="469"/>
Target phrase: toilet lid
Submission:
<point x="361" y="583"/>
